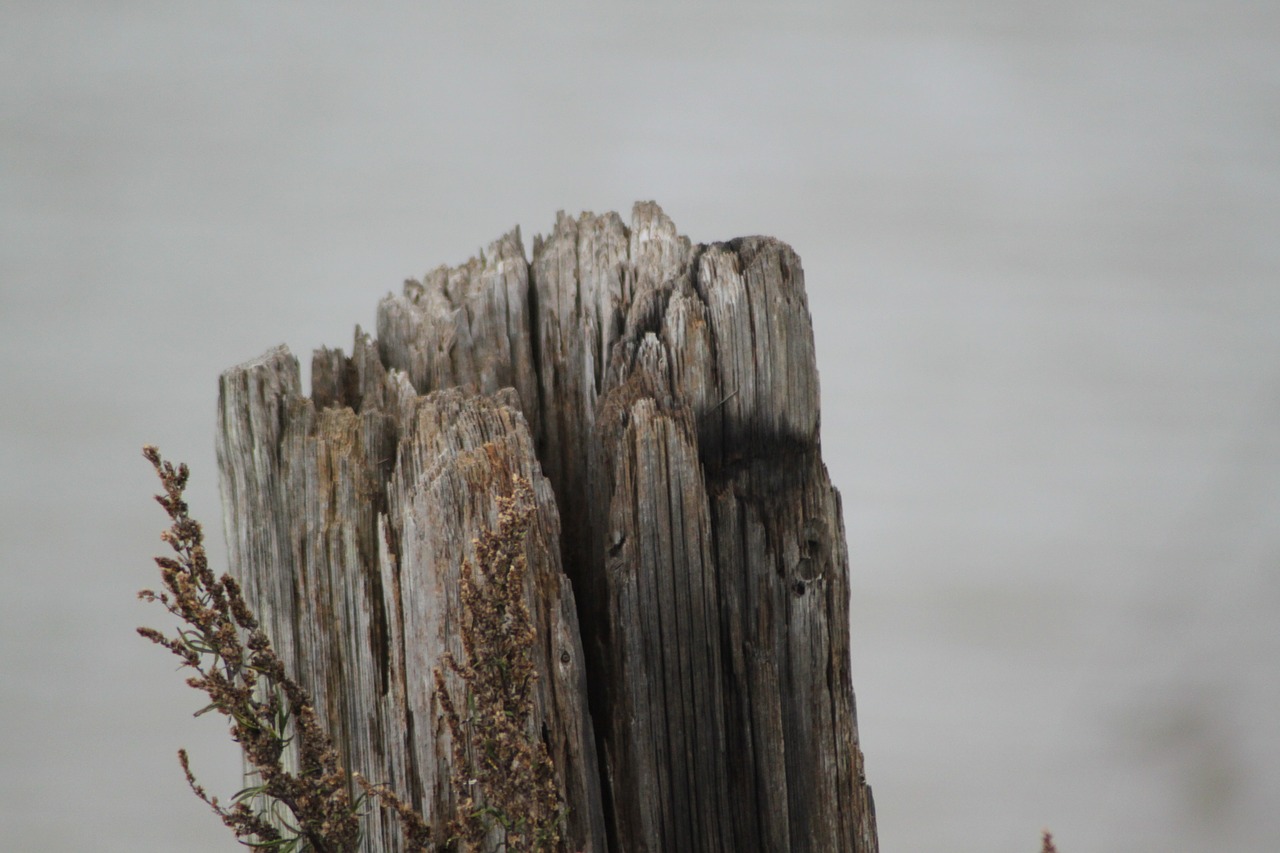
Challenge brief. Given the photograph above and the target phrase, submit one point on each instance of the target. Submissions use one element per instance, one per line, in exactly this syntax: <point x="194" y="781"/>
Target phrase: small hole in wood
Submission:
<point x="798" y="587"/>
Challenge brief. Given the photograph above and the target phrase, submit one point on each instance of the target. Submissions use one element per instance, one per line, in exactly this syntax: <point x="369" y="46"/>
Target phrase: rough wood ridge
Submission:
<point x="688" y="577"/>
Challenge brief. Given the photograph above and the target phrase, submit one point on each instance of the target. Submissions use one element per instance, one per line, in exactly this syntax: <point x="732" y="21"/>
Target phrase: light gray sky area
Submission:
<point x="1042" y="249"/>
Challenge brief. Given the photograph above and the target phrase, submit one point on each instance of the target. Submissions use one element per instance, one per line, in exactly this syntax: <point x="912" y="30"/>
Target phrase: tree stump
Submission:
<point x="688" y="577"/>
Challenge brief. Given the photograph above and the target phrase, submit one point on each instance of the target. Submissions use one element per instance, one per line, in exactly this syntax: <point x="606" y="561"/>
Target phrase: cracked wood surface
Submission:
<point x="689" y="579"/>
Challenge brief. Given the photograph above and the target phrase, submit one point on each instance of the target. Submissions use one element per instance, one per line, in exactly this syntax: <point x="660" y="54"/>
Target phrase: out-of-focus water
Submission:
<point x="1041" y="246"/>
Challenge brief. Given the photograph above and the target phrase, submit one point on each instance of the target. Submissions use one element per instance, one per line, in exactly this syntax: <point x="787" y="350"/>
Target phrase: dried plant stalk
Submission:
<point x="503" y="777"/>
<point x="269" y="712"/>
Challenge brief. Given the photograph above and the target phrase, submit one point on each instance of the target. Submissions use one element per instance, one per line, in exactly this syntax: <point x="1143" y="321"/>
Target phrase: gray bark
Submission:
<point x="688" y="571"/>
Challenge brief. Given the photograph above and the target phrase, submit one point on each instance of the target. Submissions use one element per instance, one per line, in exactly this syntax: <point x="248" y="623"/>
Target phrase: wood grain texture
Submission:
<point x="350" y="525"/>
<point x="689" y="575"/>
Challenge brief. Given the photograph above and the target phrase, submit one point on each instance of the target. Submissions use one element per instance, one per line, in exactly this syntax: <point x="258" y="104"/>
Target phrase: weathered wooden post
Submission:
<point x="688" y="577"/>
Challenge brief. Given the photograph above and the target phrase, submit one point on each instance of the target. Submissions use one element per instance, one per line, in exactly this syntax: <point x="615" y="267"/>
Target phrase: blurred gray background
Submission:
<point x="1041" y="244"/>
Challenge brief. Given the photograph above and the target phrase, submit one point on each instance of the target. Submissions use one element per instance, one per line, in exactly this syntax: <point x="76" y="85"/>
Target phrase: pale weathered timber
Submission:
<point x="350" y="525"/>
<point x="670" y="393"/>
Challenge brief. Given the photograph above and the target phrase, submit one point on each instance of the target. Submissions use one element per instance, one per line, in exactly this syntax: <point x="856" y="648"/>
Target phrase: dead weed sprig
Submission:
<point x="513" y="772"/>
<point x="503" y="778"/>
<point x="246" y="682"/>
